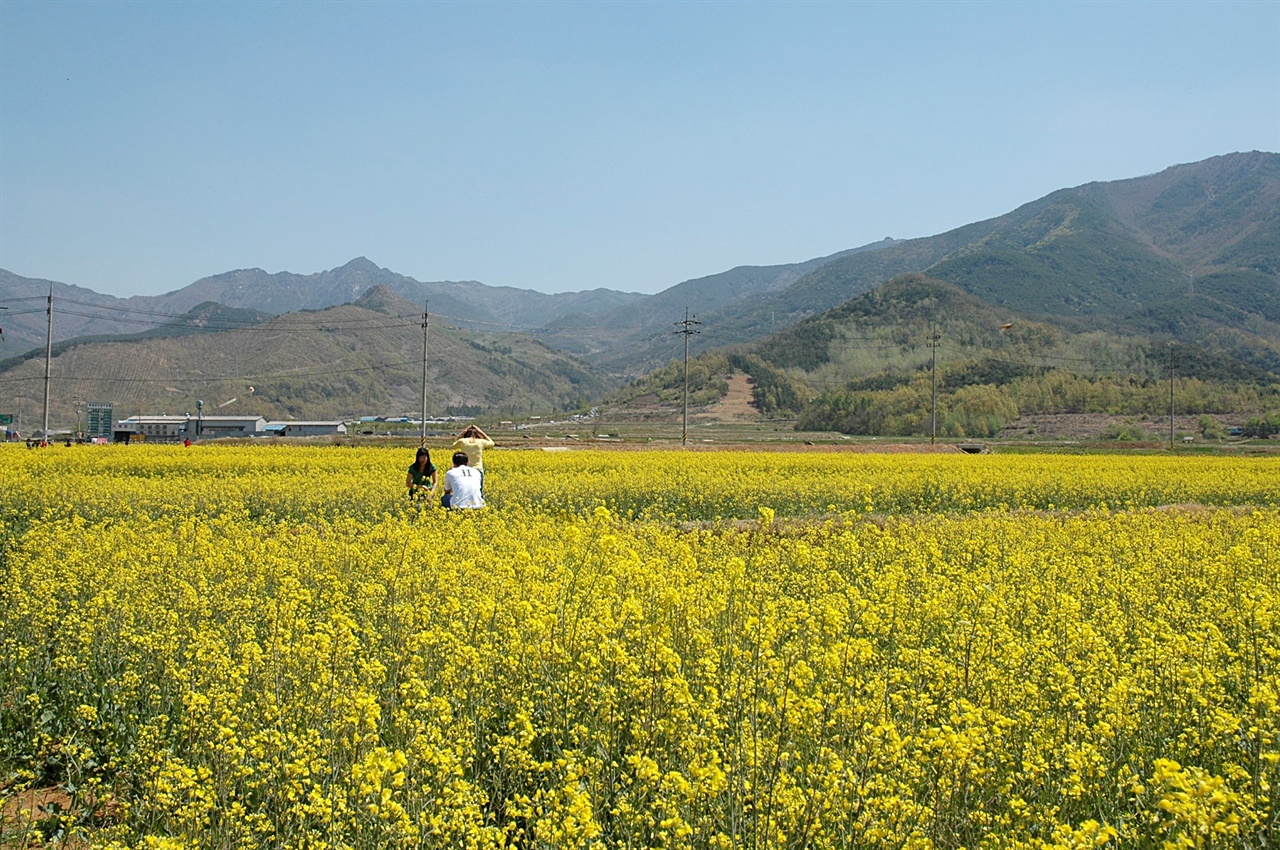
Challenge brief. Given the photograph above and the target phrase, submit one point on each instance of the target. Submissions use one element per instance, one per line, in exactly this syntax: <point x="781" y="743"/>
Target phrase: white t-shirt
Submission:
<point x="464" y="483"/>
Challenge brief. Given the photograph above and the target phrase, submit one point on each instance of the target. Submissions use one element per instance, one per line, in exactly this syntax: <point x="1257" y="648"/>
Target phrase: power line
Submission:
<point x="301" y="323"/>
<point x="737" y="339"/>
<point x="283" y="317"/>
<point x="1043" y="356"/>
<point x="281" y="322"/>
<point x="254" y="376"/>
<point x="225" y="323"/>
<point x="266" y="326"/>
<point x="1097" y="369"/>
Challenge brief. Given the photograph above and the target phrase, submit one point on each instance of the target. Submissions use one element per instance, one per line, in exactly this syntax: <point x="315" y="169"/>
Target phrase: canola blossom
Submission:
<point x="254" y="646"/>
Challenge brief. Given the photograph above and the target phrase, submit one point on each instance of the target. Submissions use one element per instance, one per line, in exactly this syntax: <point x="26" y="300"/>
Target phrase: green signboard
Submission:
<point x="6" y="418"/>
<point x="100" y="419"/>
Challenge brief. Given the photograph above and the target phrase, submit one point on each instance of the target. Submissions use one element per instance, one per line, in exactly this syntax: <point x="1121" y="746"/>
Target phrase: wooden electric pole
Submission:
<point x="1170" y="396"/>
<point x="48" y="360"/>
<point x="934" y="336"/>
<point x="425" y="305"/>
<point x="688" y="330"/>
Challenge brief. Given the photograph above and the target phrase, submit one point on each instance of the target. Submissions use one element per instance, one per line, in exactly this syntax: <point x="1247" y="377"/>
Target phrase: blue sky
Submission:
<point x="565" y="146"/>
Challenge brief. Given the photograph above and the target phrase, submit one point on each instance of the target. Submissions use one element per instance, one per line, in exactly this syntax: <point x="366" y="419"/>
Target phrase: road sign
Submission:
<point x="6" y="418"/>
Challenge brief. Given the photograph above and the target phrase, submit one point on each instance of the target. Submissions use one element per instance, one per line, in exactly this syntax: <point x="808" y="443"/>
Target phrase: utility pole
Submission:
<point x="934" y="336"/>
<point x="425" y="305"/>
<point x="688" y="331"/>
<point x="48" y="358"/>
<point x="1170" y="396"/>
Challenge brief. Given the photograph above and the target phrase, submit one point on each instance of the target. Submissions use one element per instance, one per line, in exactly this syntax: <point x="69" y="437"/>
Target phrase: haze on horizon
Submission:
<point x="566" y="146"/>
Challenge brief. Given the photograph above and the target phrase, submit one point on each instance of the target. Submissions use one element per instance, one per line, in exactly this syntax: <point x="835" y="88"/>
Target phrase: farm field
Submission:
<point x="257" y="646"/>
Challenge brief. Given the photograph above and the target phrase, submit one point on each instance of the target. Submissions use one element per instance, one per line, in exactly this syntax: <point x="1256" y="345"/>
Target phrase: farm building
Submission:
<point x="163" y="429"/>
<point x="316" y="428"/>
<point x="211" y="427"/>
<point x="172" y="429"/>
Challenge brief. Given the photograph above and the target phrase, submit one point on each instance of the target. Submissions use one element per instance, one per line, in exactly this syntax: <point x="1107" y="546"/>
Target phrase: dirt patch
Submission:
<point x="28" y="818"/>
<point x="1093" y="426"/>
<point x="832" y="448"/>
<point x="703" y="445"/>
<point x="738" y="403"/>
<point x="733" y="425"/>
<point x="23" y="816"/>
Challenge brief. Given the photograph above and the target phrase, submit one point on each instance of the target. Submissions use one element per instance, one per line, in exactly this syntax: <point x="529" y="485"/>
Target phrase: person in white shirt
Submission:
<point x="462" y="485"/>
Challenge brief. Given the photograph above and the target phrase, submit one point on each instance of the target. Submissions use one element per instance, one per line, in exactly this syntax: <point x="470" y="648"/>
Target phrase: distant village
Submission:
<point x="175" y="429"/>
<point x="101" y="427"/>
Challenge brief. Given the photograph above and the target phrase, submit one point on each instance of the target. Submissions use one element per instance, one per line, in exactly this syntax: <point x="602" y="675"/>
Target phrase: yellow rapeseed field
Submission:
<point x="233" y="647"/>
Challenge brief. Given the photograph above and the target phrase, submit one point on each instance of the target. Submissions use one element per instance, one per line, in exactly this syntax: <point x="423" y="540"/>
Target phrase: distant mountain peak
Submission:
<point x="360" y="264"/>
<point x="383" y="299"/>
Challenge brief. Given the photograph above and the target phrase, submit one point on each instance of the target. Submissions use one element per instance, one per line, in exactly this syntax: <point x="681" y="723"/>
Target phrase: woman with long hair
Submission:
<point x="421" y="479"/>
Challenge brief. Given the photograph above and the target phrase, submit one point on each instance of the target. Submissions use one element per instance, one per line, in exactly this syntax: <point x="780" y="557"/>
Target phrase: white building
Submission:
<point x="211" y="427"/>
<point x="313" y="428"/>
<point x="173" y="429"/>
<point x="162" y="429"/>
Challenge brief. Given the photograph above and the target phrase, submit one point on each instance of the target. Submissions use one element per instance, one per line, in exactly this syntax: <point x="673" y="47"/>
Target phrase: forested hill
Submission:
<point x="359" y="358"/>
<point x="81" y="312"/>
<point x="1190" y="254"/>
<point x="1193" y="251"/>
<point x="870" y="366"/>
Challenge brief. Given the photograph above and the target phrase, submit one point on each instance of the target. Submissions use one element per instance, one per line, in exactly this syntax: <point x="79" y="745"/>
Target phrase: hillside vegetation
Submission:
<point x="364" y="357"/>
<point x="1192" y="252"/>
<point x="1076" y="301"/>
<point x="866" y="367"/>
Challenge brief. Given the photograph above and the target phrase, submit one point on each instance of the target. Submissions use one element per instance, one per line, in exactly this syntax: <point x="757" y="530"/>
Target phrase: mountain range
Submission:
<point x="1191" y="253"/>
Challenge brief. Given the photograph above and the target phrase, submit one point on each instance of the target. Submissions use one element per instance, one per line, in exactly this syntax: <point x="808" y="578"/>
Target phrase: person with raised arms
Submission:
<point x="472" y="442"/>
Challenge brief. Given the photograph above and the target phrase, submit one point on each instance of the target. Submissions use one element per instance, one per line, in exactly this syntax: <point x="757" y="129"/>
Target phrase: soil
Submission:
<point x="737" y="404"/>
<point x="24" y="813"/>
<point x="733" y="423"/>
<point x="1093" y="426"/>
